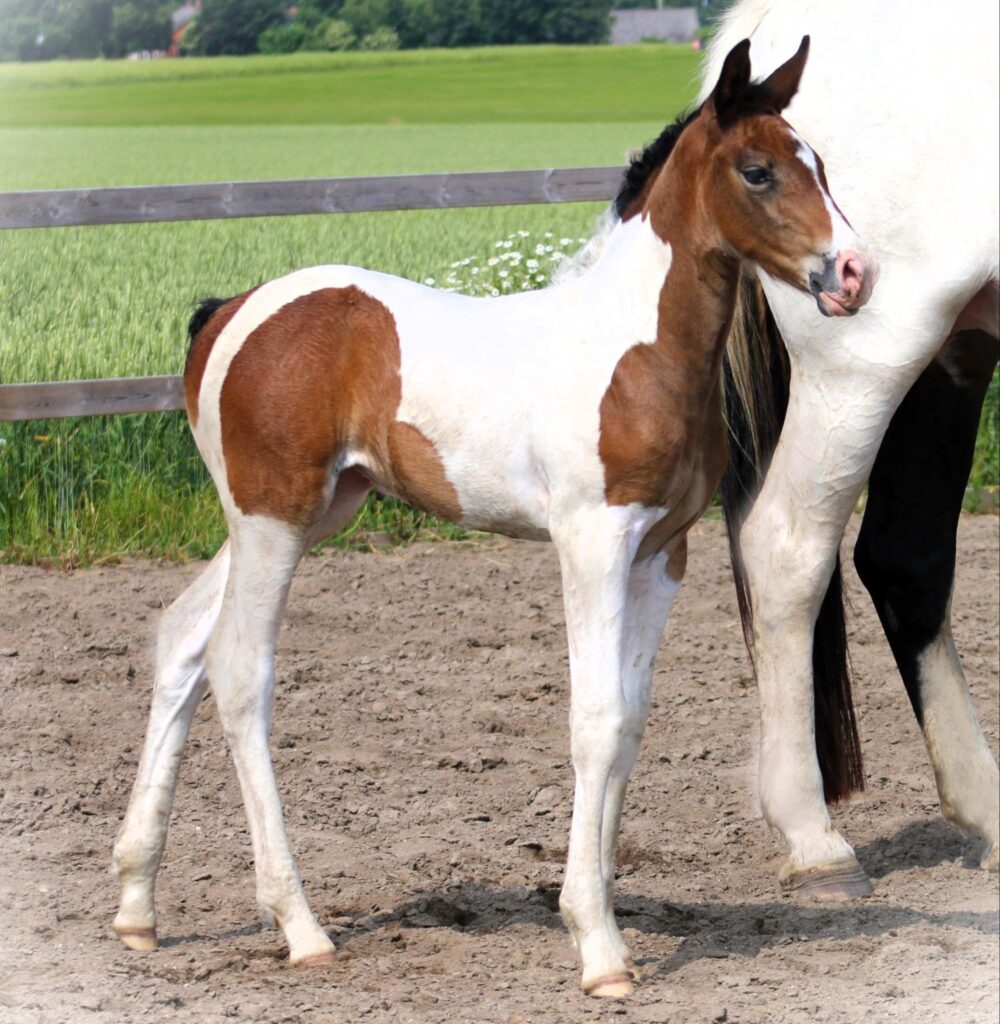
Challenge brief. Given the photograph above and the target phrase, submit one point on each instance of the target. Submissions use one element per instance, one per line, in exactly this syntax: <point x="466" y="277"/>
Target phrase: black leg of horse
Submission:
<point x="905" y="556"/>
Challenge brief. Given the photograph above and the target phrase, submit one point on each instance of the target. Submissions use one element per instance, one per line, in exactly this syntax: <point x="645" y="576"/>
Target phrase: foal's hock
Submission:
<point x="588" y="414"/>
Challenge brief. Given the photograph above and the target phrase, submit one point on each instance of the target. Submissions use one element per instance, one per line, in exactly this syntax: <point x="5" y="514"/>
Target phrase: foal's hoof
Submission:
<point x="633" y="972"/>
<point x="610" y="986"/>
<point x="327" y="959"/>
<point x="140" y="939"/>
<point x="833" y="883"/>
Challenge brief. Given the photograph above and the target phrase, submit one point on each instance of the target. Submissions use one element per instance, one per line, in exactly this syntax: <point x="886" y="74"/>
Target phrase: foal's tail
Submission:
<point x="757" y="374"/>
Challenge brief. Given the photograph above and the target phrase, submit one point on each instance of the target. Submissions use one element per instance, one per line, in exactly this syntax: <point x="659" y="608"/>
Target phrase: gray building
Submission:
<point x="672" y="25"/>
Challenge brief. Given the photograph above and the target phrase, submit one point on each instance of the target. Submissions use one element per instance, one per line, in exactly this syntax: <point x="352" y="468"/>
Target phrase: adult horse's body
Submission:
<point x="918" y="172"/>
<point x="589" y="413"/>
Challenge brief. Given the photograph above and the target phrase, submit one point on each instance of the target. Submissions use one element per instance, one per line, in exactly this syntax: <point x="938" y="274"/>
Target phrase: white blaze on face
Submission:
<point x="843" y="235"/>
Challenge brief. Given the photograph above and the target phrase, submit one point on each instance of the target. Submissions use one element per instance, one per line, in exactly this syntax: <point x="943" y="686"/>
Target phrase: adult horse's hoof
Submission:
<point x="610" y="986"/>
<point x="140" y="939"/>
<point x="832" y="883"/>
<point x="327" y="959"/>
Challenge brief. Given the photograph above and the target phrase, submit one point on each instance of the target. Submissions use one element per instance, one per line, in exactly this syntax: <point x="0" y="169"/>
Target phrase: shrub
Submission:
<point x="284" y="38"/>
<point x="383" y="38"/>
<point x="337" y="35"/>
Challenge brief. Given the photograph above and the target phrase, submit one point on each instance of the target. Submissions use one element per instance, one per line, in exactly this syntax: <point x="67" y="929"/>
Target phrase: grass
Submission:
<point x="489" y="85"/>
<point x="114" y="301"/>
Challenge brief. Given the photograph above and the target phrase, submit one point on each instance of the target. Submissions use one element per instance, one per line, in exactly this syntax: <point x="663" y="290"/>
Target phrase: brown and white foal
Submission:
<point x="588" y="413"/>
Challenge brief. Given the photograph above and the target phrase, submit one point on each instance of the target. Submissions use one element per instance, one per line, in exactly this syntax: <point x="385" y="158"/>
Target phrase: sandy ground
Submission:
<point x="421" y="746"/>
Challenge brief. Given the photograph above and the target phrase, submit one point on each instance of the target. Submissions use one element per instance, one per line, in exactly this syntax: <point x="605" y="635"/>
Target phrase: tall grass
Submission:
<point x="115" y="302"/>
<point x="986" y="462"/>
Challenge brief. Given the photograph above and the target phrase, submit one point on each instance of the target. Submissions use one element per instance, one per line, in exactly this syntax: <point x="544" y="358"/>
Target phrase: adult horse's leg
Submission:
<point x="180" y="684"/>
<point x="847" y="380"/>
<point x="596" y="548"/>
<point x="652" y="586"/>
<point x="905" y="556"/>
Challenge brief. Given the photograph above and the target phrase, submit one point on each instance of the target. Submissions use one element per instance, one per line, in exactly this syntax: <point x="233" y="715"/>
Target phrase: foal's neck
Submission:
<point x="667" y="257"/>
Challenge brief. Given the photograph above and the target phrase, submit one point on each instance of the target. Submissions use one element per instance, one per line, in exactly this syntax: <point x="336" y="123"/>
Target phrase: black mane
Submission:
<point x="756" y="100"/>
<point x="653" y="157"/>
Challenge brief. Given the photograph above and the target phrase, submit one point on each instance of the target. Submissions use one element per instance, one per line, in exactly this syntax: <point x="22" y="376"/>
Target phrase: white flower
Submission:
<point x="429" y="281"/>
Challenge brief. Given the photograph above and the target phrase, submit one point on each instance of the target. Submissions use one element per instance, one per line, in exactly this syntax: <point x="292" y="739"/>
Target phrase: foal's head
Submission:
<point x="750" y="186"/>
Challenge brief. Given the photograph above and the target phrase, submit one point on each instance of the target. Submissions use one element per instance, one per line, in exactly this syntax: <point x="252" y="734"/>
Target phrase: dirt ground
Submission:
<point x="421" y="746"/>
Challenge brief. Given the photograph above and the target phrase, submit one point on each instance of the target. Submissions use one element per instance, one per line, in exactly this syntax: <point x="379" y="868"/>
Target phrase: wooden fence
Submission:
<point x="217" y="200"/>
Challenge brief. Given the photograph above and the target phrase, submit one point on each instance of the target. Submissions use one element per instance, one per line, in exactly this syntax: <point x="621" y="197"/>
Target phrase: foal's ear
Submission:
<point x="733" y="82"/>
<point x="783" y="84"/>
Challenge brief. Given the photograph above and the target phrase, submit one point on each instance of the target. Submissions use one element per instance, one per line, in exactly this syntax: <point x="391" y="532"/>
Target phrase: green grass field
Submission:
<point x="510" y="85"/>
<point x="114" y="301"/>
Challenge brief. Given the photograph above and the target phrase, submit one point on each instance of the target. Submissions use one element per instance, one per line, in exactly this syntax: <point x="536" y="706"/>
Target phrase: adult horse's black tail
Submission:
<point x="756" y="374"/>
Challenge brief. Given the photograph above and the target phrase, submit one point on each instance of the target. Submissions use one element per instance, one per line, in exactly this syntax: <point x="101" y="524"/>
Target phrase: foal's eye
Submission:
<point x="757" y="176"/>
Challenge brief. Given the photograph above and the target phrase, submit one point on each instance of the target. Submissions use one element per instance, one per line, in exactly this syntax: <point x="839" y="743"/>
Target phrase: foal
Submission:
<point x="588" y="413"/>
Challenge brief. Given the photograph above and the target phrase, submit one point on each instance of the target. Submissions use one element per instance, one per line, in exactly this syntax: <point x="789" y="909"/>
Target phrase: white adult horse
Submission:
<point x="918" y="171"/>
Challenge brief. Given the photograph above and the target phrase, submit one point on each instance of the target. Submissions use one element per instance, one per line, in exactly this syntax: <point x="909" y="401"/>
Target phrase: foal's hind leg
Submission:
<point x="652" y="586"/>
<point x="240" y="661"/>
<point x="180" y="684"/>
<point x="905" y="556"/>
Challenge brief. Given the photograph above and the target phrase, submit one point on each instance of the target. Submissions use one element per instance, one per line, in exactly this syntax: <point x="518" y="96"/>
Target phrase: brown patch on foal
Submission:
<point x="320" y="376"/>
<point x="201" y="349"/>
<point x="662" y="440"/>
<point x="678" y="560"/>
<point x="419" y="471"/>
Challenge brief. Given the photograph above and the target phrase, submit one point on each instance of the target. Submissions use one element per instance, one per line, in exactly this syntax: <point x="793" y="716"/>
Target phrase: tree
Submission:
<point x="139" y="25"/>
<point x="546" y="21"/>
<point x="585" y="21"/>
<point x="232" y="26"/>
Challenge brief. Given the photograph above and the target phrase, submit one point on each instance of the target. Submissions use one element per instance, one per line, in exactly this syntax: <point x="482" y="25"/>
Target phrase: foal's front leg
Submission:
<point x="596" y="548"/>
<point x="652" y="586"/>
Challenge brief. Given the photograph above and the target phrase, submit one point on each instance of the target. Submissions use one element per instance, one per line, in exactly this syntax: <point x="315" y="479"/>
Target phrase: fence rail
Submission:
<point x="222" y="200"/>
<point x="145" y="204"/>
<point x="100" y="397"/>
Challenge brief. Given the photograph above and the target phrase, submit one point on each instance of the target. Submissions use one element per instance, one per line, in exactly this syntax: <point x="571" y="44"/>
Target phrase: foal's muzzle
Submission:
<point x="845" y="283"/>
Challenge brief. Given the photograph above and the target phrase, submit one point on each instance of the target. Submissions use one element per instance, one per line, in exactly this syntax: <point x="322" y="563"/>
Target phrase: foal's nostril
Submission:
<point x="851" y="271"/>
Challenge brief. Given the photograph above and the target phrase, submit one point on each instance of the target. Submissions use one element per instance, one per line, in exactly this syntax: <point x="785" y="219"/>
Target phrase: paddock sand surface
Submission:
<point x="422" y="751"/>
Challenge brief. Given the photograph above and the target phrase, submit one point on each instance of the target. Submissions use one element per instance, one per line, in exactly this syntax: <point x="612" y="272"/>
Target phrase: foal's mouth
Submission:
<point x="830" y="305"/>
